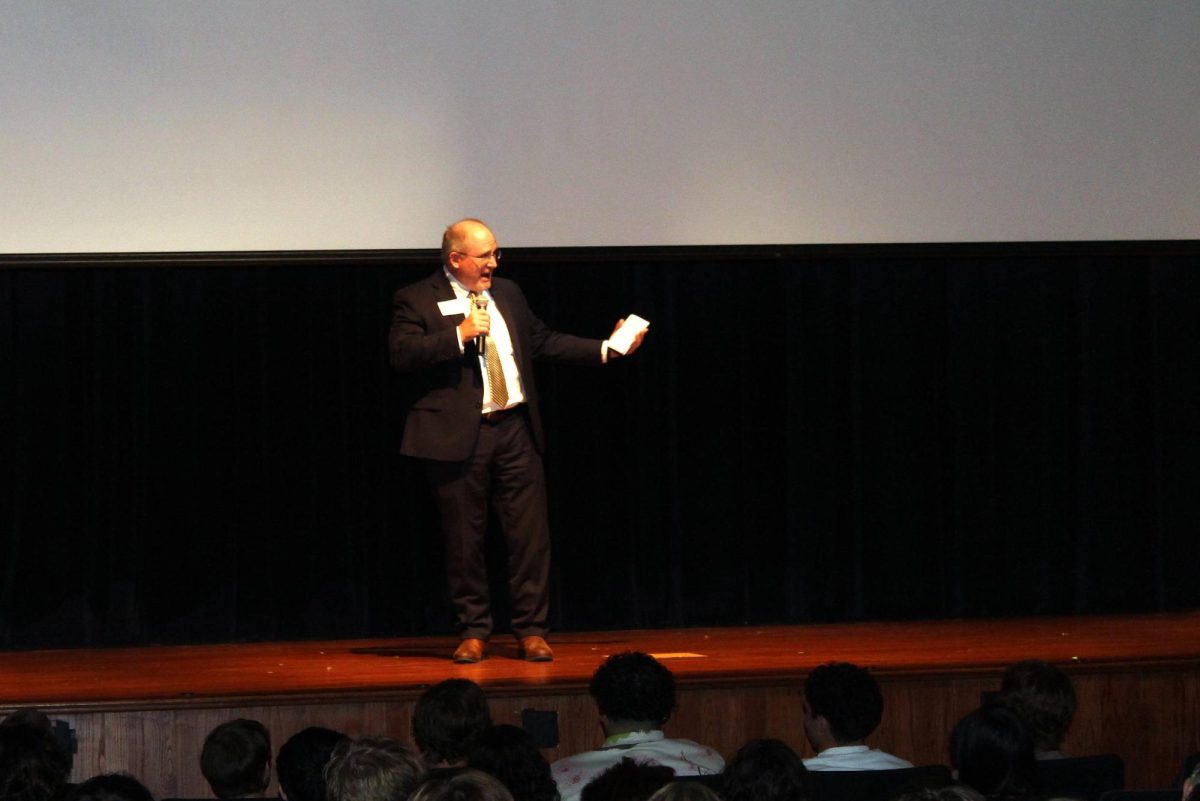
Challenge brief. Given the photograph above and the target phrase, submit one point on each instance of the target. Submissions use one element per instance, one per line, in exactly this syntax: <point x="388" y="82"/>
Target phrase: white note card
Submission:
<point x="625" y="335"/>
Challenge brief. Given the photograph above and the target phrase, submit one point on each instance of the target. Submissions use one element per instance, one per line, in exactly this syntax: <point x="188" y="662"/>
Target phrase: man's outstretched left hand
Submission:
<point x="637" y="340"/>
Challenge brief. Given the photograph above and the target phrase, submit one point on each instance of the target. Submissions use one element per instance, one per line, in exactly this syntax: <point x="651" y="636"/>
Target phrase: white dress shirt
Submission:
<point x="855" y="757"/>
<point x="686" y="757"/>
<point x="501" y="341"/>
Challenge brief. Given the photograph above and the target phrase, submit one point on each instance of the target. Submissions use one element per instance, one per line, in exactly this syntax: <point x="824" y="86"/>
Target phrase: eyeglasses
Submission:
<point x="484" y="257"/>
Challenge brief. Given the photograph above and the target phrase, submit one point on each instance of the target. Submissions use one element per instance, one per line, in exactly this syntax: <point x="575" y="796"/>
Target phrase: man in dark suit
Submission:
<point x="471" y="340"/>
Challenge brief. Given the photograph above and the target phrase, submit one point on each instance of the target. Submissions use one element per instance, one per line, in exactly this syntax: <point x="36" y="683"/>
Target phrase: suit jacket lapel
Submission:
<point x="442" y="291"/>
<point x="512" y="323"/>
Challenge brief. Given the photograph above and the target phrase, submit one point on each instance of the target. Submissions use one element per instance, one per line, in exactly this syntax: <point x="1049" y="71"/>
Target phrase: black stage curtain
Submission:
<point x="204" y="447"/>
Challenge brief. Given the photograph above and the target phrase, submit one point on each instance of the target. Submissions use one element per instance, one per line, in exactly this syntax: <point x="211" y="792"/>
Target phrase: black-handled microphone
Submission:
<point x="481" y="341"/>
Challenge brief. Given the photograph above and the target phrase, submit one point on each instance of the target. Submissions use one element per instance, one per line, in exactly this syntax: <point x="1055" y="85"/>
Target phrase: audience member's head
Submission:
<point x="627" y="781"/>
<point x="953" y="792"/>
<point x="465" y="785"/>
<point x="991" y="750"/>
<point x="110" y="787"/>
<point x="236" y="759"/>
<point x="687" y="790"/>
<point x="508" y="753"/>
<point x="1042" y="697"/>
<point x="633" y="692"/>
<point x="844" y="705"/>
<point x="371" y="769"/>
<point x="33" y="765"/>
<point x="1191" y="786"/>
<point x="301" y="763"/>
<point x="447" y="720"/>
<point x="765" y="770"/>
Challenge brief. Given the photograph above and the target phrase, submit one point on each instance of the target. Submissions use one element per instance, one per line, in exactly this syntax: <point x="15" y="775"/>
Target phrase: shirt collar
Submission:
<point x="630" y="738"/>
<point x="461" y="291"/>
<point x="845" y="749"/>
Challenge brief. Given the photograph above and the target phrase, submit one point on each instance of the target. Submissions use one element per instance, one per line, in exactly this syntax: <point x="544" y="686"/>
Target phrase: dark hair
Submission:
<point x="1191" y="785"/>
<point x="848" y="697"/>
<point x="765" y="770"/>
<point x="992" y="751"/>
<point x="950" y="792"/>
<point x="508" y="753"/>
<point x="110" y="787"/>
<point x="1042" y="697"/>
<point x="634" y="686"/>
<point x="627" y="781"/>
<point x="448" y="717"/>
<point x="236" y="757"/>
<point x="462" y="785"/>
<point x="301" y="763"/>
<point x="33" y="766"/>
<point x="371" y="769"/>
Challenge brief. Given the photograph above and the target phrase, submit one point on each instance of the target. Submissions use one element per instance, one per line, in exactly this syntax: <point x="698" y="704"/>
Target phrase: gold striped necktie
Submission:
<point x="495" y="373"/>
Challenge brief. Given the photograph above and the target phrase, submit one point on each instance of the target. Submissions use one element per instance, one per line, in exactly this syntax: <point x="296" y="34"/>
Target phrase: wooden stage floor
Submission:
<point x="263" y="673"/>
<point x="146" y="710"/>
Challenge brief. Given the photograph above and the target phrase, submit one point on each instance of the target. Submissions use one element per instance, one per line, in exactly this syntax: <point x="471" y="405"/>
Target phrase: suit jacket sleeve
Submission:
<point x="443" y="421"/>
<point x="549" y="345"/>
<point x="414" y="342"/>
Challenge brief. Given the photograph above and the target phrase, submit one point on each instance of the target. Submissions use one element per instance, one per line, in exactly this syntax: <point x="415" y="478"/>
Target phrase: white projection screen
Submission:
<point x="235" y="125"/>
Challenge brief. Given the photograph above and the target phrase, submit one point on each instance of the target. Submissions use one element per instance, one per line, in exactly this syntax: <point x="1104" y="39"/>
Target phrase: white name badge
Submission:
<point x="455" y="306"/>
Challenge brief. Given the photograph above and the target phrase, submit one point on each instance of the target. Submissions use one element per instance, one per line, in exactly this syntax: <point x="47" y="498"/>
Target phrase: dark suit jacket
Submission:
<point x="444" y="421"/>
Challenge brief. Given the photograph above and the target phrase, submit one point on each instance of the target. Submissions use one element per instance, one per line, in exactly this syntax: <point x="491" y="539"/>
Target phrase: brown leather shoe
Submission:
<point x="535" y="649"/>
<point x="470" y="651"/>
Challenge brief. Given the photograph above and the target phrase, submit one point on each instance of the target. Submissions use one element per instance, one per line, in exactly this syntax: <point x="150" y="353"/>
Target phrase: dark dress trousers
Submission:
<point x="471" y="462"/>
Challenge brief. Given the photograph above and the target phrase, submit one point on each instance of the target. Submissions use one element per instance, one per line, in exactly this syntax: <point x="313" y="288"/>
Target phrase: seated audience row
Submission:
<point x="461" y="755"/>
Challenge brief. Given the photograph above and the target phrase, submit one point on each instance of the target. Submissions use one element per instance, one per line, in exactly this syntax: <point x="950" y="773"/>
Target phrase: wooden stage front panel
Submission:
<point x="146" y="710"/>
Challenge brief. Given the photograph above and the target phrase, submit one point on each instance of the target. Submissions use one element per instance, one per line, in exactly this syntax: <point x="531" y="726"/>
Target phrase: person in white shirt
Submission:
<point x="635" y="695"/>
<point x="843" y="705"/>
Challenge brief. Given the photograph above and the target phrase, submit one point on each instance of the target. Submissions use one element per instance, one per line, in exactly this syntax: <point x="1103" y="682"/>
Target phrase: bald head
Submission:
<point x="470" y="253"/>
<point x="460" y="236"/>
